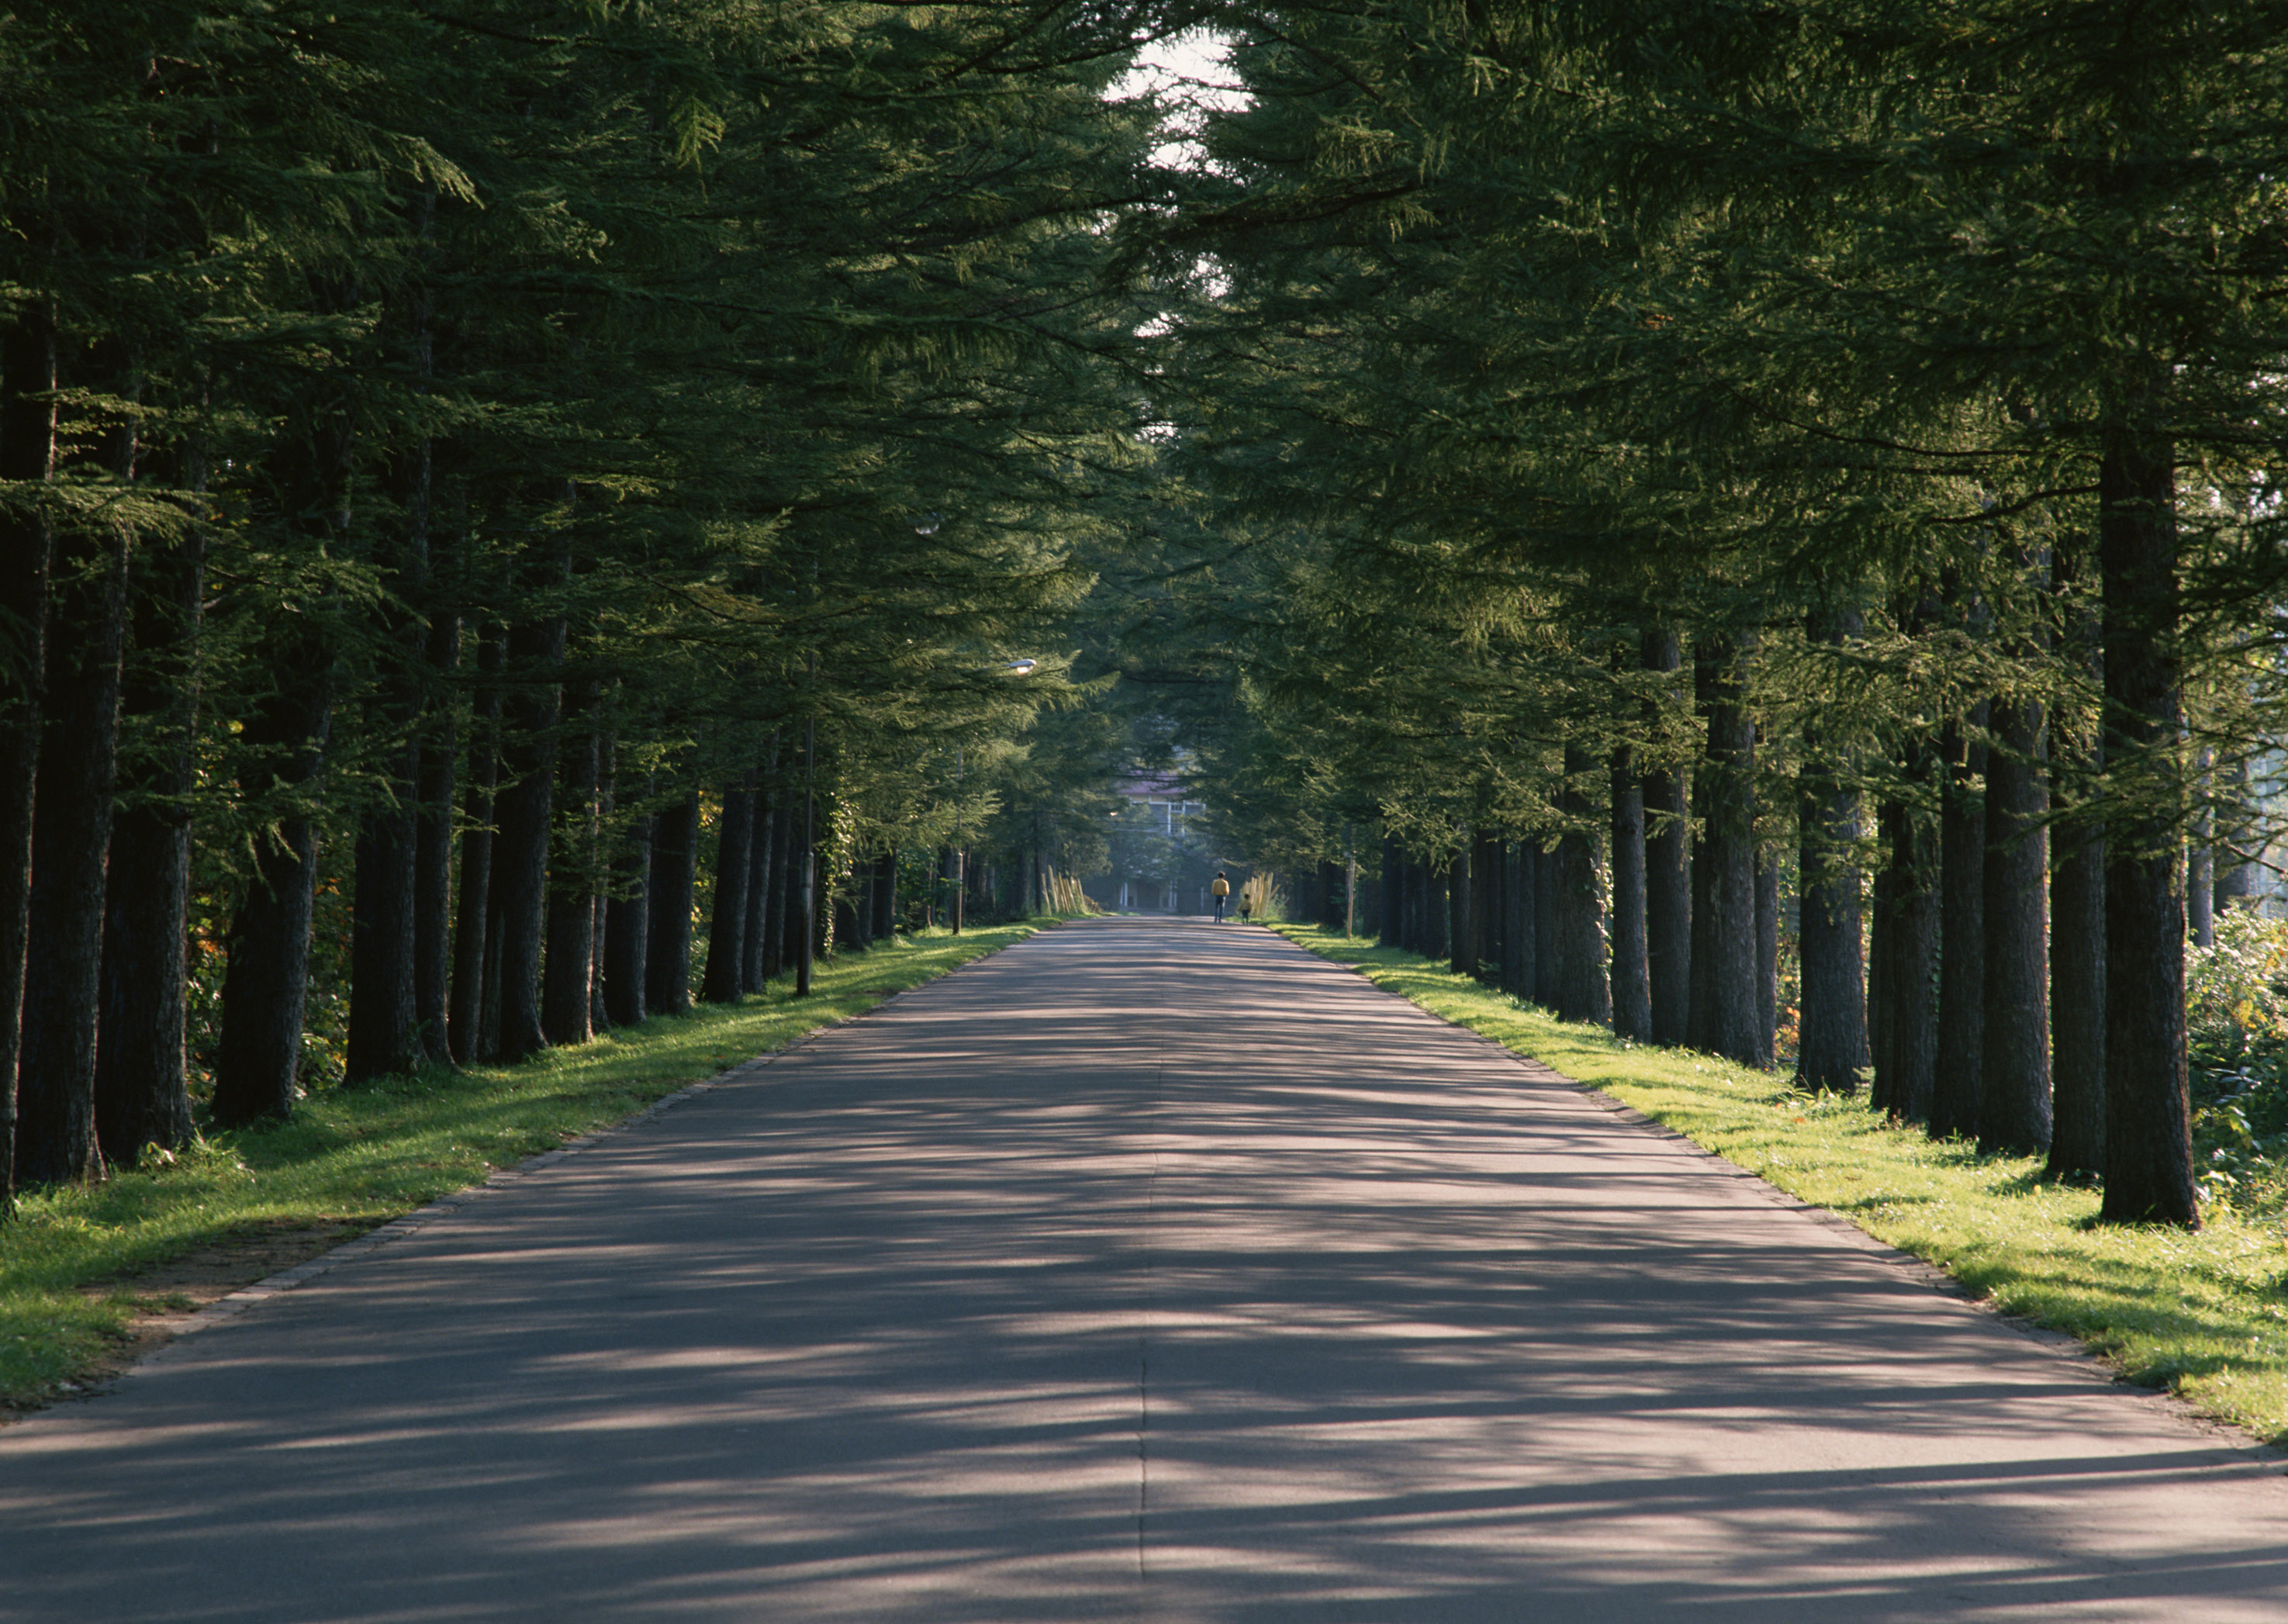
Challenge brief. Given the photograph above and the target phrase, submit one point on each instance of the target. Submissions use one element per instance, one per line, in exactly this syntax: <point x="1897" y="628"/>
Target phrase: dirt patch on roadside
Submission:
<point x="166" y="1295"/>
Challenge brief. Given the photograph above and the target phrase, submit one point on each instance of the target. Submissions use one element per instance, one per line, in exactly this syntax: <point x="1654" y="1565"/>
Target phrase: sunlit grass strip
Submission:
<point x="2203" y="1314"/>
<point x="366" y="1155"/>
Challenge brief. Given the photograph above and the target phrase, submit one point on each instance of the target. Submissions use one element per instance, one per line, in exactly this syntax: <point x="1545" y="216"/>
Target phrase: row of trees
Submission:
<point x="1671" y="459"/>
<point x="473" y="480"/>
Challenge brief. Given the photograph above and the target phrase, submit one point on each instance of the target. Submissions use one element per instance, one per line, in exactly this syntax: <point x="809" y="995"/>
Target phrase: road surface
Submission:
<point x="1147" y="1270"/>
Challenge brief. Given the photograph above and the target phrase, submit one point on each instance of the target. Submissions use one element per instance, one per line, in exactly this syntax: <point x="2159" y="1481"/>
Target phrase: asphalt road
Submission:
<point x="1147" y="1270"/>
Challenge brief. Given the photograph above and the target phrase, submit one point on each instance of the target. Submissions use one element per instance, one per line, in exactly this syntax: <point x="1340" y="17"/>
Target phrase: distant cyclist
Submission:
<point x="1221" y="891"/>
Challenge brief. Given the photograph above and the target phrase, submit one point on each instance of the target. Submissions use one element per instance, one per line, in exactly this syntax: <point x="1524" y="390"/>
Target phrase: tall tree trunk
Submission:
<point x="1518" y="969"/>
<point x="1490" y="875"/>
<point x="726" y="922"/>
<point x="1631" y="977"/>
<point x="1393" y="892"/>
<point x="777" y="874"/>
<point x="535" y="654"/>
<point x="384" y="1028"/>
<point x="1905" y="1065"/>
<point x="1832" y="1008"/>
<point x="886" y="897"/>
<point x="1463" y="957"/>
<point x="1548" y="927"/>
<point x="1668" y="873"/>
<point x="27" y="449"/>
<point x="1767" y="956"/>
<point x="2077" y="897"/>
<point x="1726" y="1009"/>
<point x="1962" y="929"/>
<point x="142" y="1096"/>
<point x="1583" y="992"/>
<point x="674" y="858"/>
<point x="433" y="847"/>
<point x="266" y="985"/>
<point x="71" y="835"/>
<point x="2013" y="1089"/>
<point x="2200" y="860"/>
<point x="2148" y="1175"/>
<point x="568" y="985"/>
<point x="471" y="926"/>
<point x="627" y="926"/>
<point x="2236" y="876"/>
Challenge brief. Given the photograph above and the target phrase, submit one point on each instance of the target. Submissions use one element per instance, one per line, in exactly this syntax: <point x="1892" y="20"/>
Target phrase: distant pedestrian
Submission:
<point x="1243" y="906"/>
<point x="1221" y="891"/>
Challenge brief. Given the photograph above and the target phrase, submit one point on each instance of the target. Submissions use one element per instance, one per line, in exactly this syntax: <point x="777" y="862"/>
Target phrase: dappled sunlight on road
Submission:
<point x="1148" y="1269"/>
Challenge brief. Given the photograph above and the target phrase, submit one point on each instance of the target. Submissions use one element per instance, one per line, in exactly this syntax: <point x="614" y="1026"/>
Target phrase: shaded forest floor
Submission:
<point x="92" y="1280"/>
<point x="2203" y="1315"/>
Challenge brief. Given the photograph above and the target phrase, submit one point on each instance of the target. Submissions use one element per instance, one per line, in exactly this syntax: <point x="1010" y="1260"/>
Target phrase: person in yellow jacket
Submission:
<point x="1221" y="891"/>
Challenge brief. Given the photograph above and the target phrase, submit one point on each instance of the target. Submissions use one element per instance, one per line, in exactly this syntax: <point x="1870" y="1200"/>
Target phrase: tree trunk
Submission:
<point x="674" y="856"/>
<point x="1463" y="960"/>
<point x="2013" y="1089"/>
<point x="266" y="986"/>
<point x="627" y="926"/>
<point x="71" y="835"/>
<point x="1519" y="970"/>
<point x="471" y="932"/>
<point x="536" y="652"/>
<point x="886" y="897"/>
<point x="1726" y="1008"/>
<point x="432" y="852"/>
<point x="384" y="1028"/>
<point x="1904" y="1065"/>
<point x="27" y="445"/>
<point x="1583" y="992"/>
<point x="1394" y="893"/>
<point x="2148" y="1175"/>
<point x="1490" y="878"/>
<point x="1767" y="956"/>
<point x="1631" y="977"/>
<point x="1832" y="1007"/>
<point x="1668" y="874"/>
<point x="568" y="985"/>
<point x="2200" y="862"/>
<point x="1962" y="930"/>
<point x="2078" y="1014"/>
<point x="2236" y="876"/>
<point x="776" y="900"/>
<point x="141" y="1089"/>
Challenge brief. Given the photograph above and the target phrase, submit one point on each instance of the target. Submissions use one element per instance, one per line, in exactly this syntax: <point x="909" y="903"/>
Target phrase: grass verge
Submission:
<point x="2204" y="1315"/>
<point x="76" y="1264"/>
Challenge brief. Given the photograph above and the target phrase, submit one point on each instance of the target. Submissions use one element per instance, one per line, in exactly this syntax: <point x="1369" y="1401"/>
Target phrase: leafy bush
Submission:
<point x="2237" y="1010"/>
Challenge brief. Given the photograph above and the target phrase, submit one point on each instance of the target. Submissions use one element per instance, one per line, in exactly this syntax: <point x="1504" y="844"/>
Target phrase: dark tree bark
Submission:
<point x="775" y="902"/>
<point x="627" y="926"/>
<point x="1832" y="1011"/>
<point x="1489" y="875"/>
<point x="1463" y="941"/>
<point x="2236" y="876"/>
<point x="568" y="985"/>
<point x="2078" y="1004"/>
<point x="2200" y="861"/>
<point x="27" y="449"/>
<point x="1767" y="956"/>
<point x="1668" y="875"/>
<point x="886" y="897"/>
<point x="1908" y="997"/>
<point x="1726" y="1015"/>
<point x="1393" y="892"/>
<point x="1962" y="930"/>
<point x="1631" y="975"/>
<point x="265" y="986"/>
<point x="433" y="851"/>
<point x="471" y="932"/>
<point x="1548" y="928"/>
<point x="2013" y="1089"/>
<point x="674" y="858"/>
<point x="1583" y="992"/>
<point x="2149" y="1175"/>
<point x="71" y="836"/>
<point x="603" y="859"/>
<point x="384" y="1028"/>
<point x="536" y="652"/>
<point x="142" y="1097"/>
<point x="1519" y="969"/>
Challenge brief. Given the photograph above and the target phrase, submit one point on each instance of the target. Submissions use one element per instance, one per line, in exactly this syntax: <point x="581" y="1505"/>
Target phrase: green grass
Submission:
<point x="360" y="1157"/>
<point x="2203" y="1314"/>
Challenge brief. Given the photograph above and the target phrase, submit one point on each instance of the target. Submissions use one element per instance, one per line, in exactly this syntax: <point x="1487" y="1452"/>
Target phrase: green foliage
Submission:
<point x="2236" y="1006"/>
